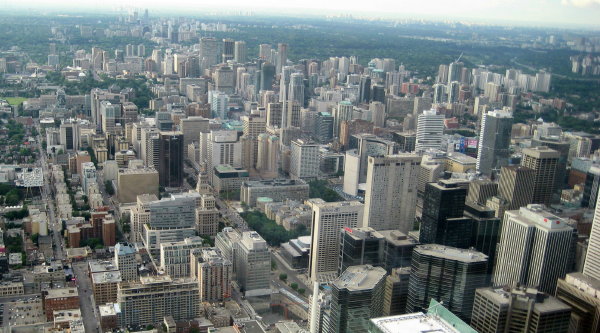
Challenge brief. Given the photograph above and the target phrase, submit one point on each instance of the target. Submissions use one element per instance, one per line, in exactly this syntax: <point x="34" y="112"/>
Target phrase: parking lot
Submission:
<point x="22" y="311"/>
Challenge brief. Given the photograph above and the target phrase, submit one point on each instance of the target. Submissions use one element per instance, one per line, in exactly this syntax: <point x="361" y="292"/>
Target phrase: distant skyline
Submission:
<point x="551" y="13"/>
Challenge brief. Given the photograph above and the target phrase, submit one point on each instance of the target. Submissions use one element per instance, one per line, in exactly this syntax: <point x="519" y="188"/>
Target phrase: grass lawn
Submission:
<point x="14" y="100"/>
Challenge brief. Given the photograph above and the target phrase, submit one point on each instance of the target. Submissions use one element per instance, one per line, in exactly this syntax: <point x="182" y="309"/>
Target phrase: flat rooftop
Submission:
<point x="362" y="277"/>
<point x="62" y="292"/>
<point x="451" y="253"/>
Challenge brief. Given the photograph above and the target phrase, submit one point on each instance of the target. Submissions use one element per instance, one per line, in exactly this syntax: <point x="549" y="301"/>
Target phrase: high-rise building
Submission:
<point x="225" y="80"/>
<point x="282" y="56"/>
<point x="396" y="291"/>
<point x="582" y="294"/>
<point x="296" y="89"/>
<point x="516" y="184"/>
<point x="274" y="114"/>
<point x="304" y="161"/>
<point x="360" y="246"/>
<point x="264" y="51"/>
<point x="267" y="73"/>
<point x="111" y="115"/>
<point x="213" y="272"/>
<point x="544" y="162"/>
<point x="518" y="310"/>
<point x="170" y="167"/>
<point x="208" y="53"/>
<point x="69" y="135"/>
<point x="443" y="220"/>
<point x="535" y="249"/>
<point x="191" y="127"/>
<point x="485" y="231"/>
<point x="126" y="262"/>
<point x="592" y="259"/>
<point x="430" y="127"/>
<point x="480" y="190"/>
<point x="494" y="141"/>
<point x="591" y="187"/>
<point x="252" y="264"/>
<point x="364" y="89"/>
<point x="454" y="71"/>
<point x="228" y="50"/>
<point x="391" y="192"/>
<point x="156" y="297"/>
<point x="356" y="296"/>
<point x="356" y="161"/>
<point x="239" y="52"/>
<point x="175" y="256"/>
<point x="446" y="274"/>
<point x="329" y="218"/>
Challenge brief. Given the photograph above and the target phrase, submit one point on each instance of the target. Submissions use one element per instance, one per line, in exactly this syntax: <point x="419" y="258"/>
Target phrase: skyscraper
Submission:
<point x="518" y="310"/>
<point x="480" y="190"/>
<point x="304" y="161"/>
<point x="535" y="249"/>
<point x="443" y="220"/>
<point x="125" y="261"/>
<point x="252" y="263"/>
<point x="296" y="89"/>
<point x="582" y="293"/>
<point x="282" y="56"/>
<point x="329" y="218"/>
<point x="430" y="127"/>
<point x="516" y="184"/>
<point x="356" y="296"/>
<point x="228" y="50"/>
<point x="391" y="194"/>
<point x="214" y="273"/>
<point x="208" y="53"/>
<point x="448" y="275"/>
<point x="360" y="246"/>
<point x="544" y="162"/>
<point x="239" y="53"/>
<point x="592" y="259"/>
<point x="170" y="168"/>
<point x="494" y="140"/>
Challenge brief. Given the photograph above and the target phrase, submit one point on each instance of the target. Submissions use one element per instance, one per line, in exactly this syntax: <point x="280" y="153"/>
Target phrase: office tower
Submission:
<point x="535" y="249"/>
<point x="592" y="259"/>
<point x="343" y="112"/>
<point x="282" y="56"/>
<point x="274" y="114"/>
<point x="324" y="127"/>
<point x="136" y="181"/>
<point x="364" y="90"/>
<point x="439" y="94"/>
<point x="516" y="184"/>
<point x="494" y="141"/>
<point x="252" y="263"/>
<point x="453" y="91"/>
<point x="191" y="128"/>
<point x="267" y="73"/>
<point x="443" y="220"/>
<point x="219" y="104"/>
<point x="581" y="292"/>
<point x="378" y="93"/>
<point x="291" y="114"/>
<point x="296" y="88"/>
<point x="448" y="275"/>
<point x="207" y="215"/>
<point x="396" y="291"/>
<point x="228" y="50"/>
<point x="360" y="246"/>
<point x="220" y="147"/>
<point x="356" y="161"/>
<point x="328" y="219"/>
<point x="175" y="256"/>
<point x="544" y="162"/>
<point x="208" y="53"/>
<point x="391" y="192"/>
<point x="125" y="261"/>
<point x="455" y="71"/>
<point x="213" y="272"/>
<point x="356" y="296"/>
<point x="239" y="53"/>
<point x="563" y="148"/>
<point x="591" y="187"/>
<point x="430" y="127"/>
<point x="480" y="190"/>
<point x="518" y="310"/>
<point x="69" y="135"/>
<point x="224" y="80"/>
<point x="156" y="297"/>
<point x="264" y="51"/>
<point x="378" y="113"/>
<point x="141" y="50"/>
<point x="304" y="161"/>
<point x="398" y="249"/>
<point x="485" y="231"/>
<point x="164" y="121"/>
<point x="170" y="167"/>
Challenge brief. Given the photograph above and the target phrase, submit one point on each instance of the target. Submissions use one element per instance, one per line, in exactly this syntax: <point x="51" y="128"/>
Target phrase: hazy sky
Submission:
<point x="540" y="12"/>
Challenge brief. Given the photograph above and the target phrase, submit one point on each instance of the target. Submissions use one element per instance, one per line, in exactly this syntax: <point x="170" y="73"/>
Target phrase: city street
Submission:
<point x="86" y="297"/>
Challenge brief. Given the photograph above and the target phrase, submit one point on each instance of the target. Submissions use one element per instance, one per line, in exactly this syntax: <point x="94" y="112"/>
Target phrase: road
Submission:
<point x="86" y="297"/>
<point x="292" y="276"/>
<point x="231" y="215"/>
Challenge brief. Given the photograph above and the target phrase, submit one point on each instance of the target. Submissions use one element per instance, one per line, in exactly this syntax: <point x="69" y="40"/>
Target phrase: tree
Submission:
<point x="301" y="291"/>
<point x="294" y="285"/>
<point x="109" y="188"/>
<point x="282" y="276"/>
<point x="273" y="265"/>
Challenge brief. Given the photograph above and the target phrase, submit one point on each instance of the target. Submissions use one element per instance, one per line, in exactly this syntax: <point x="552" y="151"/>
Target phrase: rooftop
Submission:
<point x="106" y="277"/>
<point x="62" y="292"/>
<point x="451" y="253"/>
<point x="362" y="277"/>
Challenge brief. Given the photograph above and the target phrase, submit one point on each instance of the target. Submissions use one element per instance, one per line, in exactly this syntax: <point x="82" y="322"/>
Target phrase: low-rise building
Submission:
<point x="277" y="189"/>
<point x="56" y="299"/>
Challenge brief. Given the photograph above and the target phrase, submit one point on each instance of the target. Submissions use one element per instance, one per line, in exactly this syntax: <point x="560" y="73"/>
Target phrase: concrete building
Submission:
<point x="56" y="299"/>
<point x="582" y="294"/>
<point x="133" y="182"/>
<point x="207" y="216"/>
<point x="396" y="292"/>
<point x="277" y="189"/>
<point x="544" y="162"/>
<point x="304" y="161"/>
<point x="446" y="274"/>
<point x="592" y="259"/>
<point x="430" y="127"/>
<point x="191" y="127"/>
<point x="126" y="262"/>
<point x="214" y="273"/>
<point x="329" y="218"/>
<point x="357" y="296"/>
<point x="535" y="249"/>
<point x="391" y="192"/>
<point x="253" y="263"/>
<point x="228" y="178"/>
<point x="175" y="257"/>
<point x="494" y="141"/>
<point x="361" y="147"/>
<point x="153" y="298"/>
<point x="515" y="187"/>
<point x="518" y="310"/>
<point x="481" y="190"/>
<point x="105" y="285"/>
<point x="360" y="246"/>
<point x="170" y="153"/>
